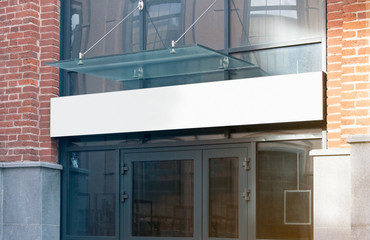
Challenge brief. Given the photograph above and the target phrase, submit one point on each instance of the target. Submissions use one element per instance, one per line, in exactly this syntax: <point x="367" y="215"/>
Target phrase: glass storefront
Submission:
<point x="246" y="190"/>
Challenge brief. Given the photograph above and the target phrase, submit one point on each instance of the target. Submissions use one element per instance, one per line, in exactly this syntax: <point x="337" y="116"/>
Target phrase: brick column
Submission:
<point x="29" y="37"/>
<point x="348" y="70"/>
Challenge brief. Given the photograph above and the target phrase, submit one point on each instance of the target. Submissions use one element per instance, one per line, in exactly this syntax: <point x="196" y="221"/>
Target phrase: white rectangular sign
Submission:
<point x="263" y="100"/>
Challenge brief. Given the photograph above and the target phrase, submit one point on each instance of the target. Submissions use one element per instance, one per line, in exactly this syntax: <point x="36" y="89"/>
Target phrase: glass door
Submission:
<point x="162" y="190"/>
<point x="199" y="193"/>
<point x="226" y="193"/>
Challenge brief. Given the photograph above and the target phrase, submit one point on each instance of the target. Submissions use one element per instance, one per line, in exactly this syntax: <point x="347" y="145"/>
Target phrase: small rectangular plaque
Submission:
<point x="297" y="207"/>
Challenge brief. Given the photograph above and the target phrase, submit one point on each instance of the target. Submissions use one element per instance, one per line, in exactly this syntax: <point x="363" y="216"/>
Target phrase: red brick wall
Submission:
<point x="348" y="67"/>
<point x="29" y="37"/>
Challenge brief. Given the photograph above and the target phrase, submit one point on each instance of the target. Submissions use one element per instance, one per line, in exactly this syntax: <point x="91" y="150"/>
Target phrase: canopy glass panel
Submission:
<point x="194" y="59"/>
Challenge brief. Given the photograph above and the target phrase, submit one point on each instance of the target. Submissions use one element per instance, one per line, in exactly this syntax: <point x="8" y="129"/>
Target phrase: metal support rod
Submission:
<point x="140" y="6"/>
<point x="175" y="42"/>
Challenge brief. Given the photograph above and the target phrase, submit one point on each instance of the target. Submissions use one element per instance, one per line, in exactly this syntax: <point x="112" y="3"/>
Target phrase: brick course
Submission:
<point x="29" y="37"/>
<point x="348" y="65"/>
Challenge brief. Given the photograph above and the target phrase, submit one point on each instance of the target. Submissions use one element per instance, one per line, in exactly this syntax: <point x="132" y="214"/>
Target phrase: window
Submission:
<point x="284" y="181"/>
<point x="258" y="22"/>
<point x="93" y="194"/>
<point x="270" y="34"/>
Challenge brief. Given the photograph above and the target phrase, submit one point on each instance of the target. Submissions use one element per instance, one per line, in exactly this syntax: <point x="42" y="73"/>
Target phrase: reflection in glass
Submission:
<point x="90" y="20"/>
<point x="92" y="194"/>
<point x="252" y="22"/>
<point x="284" y="185"/>
<point x="166" y="21"/>
<point x="223" y="197"/>
<point x="162" y="23"/>
<point x="163" y="198"/>
<point x="256" y="22"/>
<point x="209" y="31"/>
<point x="287" y="60"/>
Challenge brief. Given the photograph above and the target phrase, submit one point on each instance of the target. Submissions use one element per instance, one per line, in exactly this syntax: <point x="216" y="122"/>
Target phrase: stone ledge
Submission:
<point x="330" y="152"/>
<point x="358" y="139"/>
<point x="30" y="164"/>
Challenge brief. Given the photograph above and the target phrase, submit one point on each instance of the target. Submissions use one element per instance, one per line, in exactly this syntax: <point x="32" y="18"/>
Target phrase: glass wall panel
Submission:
<point x="223" y="198"/>
<point x="168" y="20"/>
<point x="287" y="60"/>
<point x="163" y="198"/>
<point x="92" y="194"/>
<point x="84" y="84"/>
<point x="163" y="20"/>
<point x="209" y="31"/>
<point x="90" y="20"/>
<point x="284" y="190"/>
<point x="256" y="22"/>
<point x="250" y="23"/>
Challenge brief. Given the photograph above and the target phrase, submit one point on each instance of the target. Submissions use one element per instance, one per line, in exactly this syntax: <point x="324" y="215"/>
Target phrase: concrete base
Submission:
<point x="332" y="200"/>
<point x="360" y="186"/>
<point x="29" y="201"/>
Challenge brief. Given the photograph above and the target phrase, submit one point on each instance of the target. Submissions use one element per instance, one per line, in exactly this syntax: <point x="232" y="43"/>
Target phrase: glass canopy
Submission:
<point x="194" y="59"/>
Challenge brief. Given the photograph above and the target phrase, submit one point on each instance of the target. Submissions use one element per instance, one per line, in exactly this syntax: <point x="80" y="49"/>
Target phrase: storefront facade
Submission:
<point x="185" y="161"/>
<point x="232" y="144"/>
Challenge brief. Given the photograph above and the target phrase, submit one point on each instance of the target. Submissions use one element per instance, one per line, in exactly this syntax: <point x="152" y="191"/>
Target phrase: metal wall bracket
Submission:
<point x="124" y="169"/>
<point x="124" y="196"/>
<point x="246" y="194"/>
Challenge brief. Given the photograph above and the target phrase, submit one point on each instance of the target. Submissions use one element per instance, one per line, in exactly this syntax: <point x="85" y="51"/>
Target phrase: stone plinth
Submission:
<point x="332" y="200"/>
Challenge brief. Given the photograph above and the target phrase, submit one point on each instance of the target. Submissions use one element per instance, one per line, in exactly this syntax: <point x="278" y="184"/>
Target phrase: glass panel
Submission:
<point x="223" y="197"/>
<point x="210" y="29"/>
<point x="284" y="190"/>
<point x="85" y="84"/>
<point x="154" y="64"/>
<point x="162" y="23"/>
<point x="288" y="60"/>
<point x="90" y="20"/>
<point x="256" y="22"/>
<point x="163" y="198"/>
<point x="167" y="21"/>
<point x="92" y="194"/>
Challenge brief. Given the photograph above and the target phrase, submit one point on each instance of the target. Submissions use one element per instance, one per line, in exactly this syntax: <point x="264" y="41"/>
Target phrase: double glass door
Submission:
<point x="185" y="194"/>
